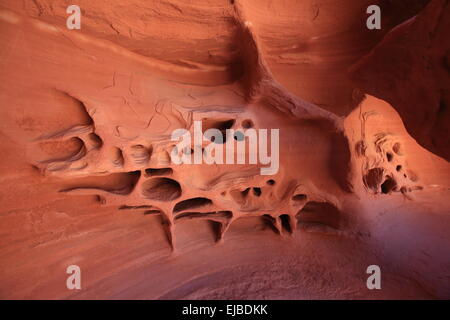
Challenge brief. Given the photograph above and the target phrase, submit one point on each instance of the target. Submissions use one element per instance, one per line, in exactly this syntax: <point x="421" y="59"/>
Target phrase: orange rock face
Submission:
<point x="351" y="150"/>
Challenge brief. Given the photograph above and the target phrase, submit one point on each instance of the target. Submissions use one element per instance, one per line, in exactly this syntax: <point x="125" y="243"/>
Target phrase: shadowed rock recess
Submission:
<point x="87" y="177"/>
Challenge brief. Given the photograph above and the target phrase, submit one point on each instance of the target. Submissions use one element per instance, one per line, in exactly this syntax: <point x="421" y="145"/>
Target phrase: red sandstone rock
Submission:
<point x="87" y="178"/>
<point x="409" y="68"/>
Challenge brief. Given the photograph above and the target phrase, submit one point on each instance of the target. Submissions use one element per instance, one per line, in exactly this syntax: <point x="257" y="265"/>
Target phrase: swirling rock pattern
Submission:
<point x="88" y="179"/>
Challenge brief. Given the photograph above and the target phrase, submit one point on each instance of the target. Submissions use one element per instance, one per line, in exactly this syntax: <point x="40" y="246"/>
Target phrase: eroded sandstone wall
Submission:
<point x="87" y="177"/>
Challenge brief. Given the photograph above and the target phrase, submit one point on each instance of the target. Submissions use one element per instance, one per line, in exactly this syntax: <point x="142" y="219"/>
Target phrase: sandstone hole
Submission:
<point x="226" y="214"/>
<point x="299" y="197"/>
<point x="247" y="124"/>
<point x="389" y="156"/>
<point x="270" y="182"/>
<point x="396" y="148"/>
<point x="192" y="215"/>
<point x="239" y="196"/>
<point x="64" y="150"/>
<point x="158" y="172"/>
<point x="161" y="189"/>
<point x="116" y="156"/>
<point x="221" y="125"/>
<point x="373" y="178"/>
<point x="388" y="185"/>
<point x="118" y="183"/>
<point x="151" y="212"/>
<point x="218" y="215"/>
<point x="257" y="192"/>
<point x="95" y="140"/>
<point x="319" y="213"/>
<point x="270" y="221"/>
<point x="285" y="222"/>
<point x="398" y="168"/>
<point x="140" y="154"/>
<point x="193" y="203"/>
<point x="269" y="218"/>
